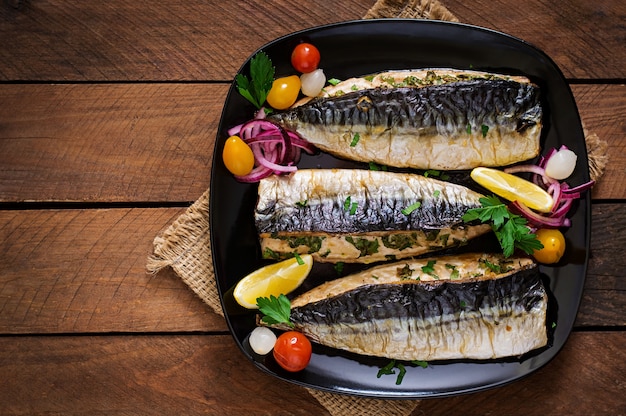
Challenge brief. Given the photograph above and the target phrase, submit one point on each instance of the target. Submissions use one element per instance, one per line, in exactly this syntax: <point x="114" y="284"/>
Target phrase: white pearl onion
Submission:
<point x="262" y="340"/>
<point x="561" y="164"/>
<point x="312" y="82"/>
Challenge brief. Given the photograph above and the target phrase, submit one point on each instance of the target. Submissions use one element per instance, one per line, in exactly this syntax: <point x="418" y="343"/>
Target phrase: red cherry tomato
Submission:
<point x="305" y="58"/>
<point x="292" y="351"/>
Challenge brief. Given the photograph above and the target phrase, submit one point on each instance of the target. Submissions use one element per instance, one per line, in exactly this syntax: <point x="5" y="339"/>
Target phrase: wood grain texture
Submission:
<point x="203" y="375"/>
<point x="171" y="40"/>
<point x="79" y="271"/>
<point x="121" y="142"/>
<point x="100" y="284"/>
<point x="145" y="40"/>
<point x="154" y="142"/>
<point x="584" y="38"/>
<point x="602" y="109"/>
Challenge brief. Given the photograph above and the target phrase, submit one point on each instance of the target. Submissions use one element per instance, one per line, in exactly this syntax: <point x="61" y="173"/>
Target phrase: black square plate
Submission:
<point x="363" y="47"/>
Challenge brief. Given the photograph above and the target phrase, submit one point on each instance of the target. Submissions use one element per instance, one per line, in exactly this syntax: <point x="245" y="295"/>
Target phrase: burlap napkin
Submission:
<point x="185" y="245"/>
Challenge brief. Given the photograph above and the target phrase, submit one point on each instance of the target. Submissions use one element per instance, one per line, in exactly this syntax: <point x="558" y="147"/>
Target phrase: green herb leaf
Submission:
<point x="298" y="258"/>
<point x="421" y="363"/>
<point x="429" y="268"/>
<point x="276" y="310"/>
<point x="436" y="173"/>
<point x="375" y="166"/>
<point x="355" y="139"/>
<point x="339" y="268"/>
<point x="511" y="230"/>
<point x="302" y="204"/>
<point x="436" y="193"/>
<point x="258" y="86"/>
<point x="387" y="370"/>
<point x="408" y="210"/>
<point x="334" y="81"/>
<point x="347" y="203"/>
<point x="353" y="208"/>
<point x="400" y="374"/>
<point x="484" y="130"/>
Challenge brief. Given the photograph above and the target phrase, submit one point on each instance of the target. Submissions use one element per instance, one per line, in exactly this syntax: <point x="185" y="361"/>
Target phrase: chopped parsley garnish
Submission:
<point x="365" y="246"/>
<point x="405" y="272"/>
<point x="298" y="258"/>
<point x="355" y="139"/>
<point x="436" y="173"/>
<point x="430" y="268"/>
<point x="389" y="369"/>
<point x="275" y="310"/>
<point x="346" y="203"/>
<point x="511" y="230"/>
<point x="454" y="272"/>
<point x="350" y="206"/>
<point x="339" y="268"/>
<point x="436" y="193"/>
<point x="408" y="210"/>
<point x="469" y="129"/>
<point x="334" y="81"/>
<point x="375" y="166"/>
<point x="302" y="204"/>
<point x="484" y="130"/>
<point x="259" y="85"/>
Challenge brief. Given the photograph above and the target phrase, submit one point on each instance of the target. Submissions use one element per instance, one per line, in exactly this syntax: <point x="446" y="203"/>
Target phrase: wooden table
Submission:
<point x="108" y="117"/>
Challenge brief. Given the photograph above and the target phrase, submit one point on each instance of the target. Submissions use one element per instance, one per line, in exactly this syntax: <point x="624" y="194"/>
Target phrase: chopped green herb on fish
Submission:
<point x="425" y="125"/>
<point x="401" y="318"/>
<point x="399" y="214"/>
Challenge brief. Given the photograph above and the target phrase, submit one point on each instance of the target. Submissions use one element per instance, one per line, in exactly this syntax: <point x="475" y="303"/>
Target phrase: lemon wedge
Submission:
<point x="282" y="277"/>
<point x="513" y="188"/>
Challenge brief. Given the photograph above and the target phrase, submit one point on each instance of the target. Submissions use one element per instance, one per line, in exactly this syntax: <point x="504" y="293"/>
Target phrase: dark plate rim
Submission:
<point x="585" y="205"/>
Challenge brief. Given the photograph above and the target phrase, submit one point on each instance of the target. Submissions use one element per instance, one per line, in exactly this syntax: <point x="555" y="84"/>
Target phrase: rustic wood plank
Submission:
<point x="196" y="374"/>
<point x="154" y="142"/>
<point x="68" y="271"/>
<point x="140" y="374"/>
<point x="100" y="283"/>
<point x="145" y="40"/>
<point x="121" y="142"/>
<point x="585" y="39"/>
<point x="604" y="294"/>
<point x="580" y="380"/>
<point x="185" y="41"/>
<point x="602" y="109"/>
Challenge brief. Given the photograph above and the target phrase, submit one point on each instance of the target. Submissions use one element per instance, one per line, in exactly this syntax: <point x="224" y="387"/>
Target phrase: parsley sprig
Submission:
<point x="275" y="310"/>
<point x="389" y="369"/>
<point x="511" y="229"/>
<point x="259" y="85"/>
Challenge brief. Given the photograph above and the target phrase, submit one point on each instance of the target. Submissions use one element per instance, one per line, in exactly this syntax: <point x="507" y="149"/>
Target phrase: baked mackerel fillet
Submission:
<point x="471" y="306"/>
<point x="361" y="216"/>
<point x="425" y="119"/>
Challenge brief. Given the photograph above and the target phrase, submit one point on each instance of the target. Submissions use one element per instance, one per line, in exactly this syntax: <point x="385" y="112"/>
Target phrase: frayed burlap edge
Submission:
<point x="185" y="244"/>
<point x="410" y="9"/>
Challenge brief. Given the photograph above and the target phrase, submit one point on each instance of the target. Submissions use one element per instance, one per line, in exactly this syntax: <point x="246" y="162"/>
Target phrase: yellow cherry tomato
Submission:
<point x="238" y="157"/>
<point x="284" y="92"/>
<point x="553" y="246"/>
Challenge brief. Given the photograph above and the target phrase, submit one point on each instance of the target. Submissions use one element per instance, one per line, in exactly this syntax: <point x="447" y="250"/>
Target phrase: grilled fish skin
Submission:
<point x="480" y="306"/>
<point x="352" y="215"/>
<point x="454" y="125"/>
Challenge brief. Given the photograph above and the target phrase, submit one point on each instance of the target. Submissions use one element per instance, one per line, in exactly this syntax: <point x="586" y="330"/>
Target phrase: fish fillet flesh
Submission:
<point x="435" y="119"/>
<point x="470" y="306"/>
<point x="361" y="216"/>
